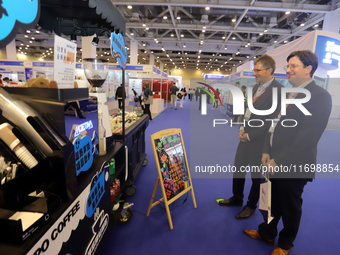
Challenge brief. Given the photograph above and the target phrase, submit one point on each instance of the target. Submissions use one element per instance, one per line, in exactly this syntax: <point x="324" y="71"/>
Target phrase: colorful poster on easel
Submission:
<point x="173" y="171"/>
<point x="172" y="163"/>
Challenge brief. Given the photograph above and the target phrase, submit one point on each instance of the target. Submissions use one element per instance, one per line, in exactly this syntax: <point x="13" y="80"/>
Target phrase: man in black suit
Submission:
<point x="249" y="151"/>
<point x="286" y="146"/>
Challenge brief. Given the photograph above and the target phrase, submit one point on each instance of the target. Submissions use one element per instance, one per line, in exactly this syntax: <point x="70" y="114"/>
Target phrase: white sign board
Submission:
<point x="64" y="62"/>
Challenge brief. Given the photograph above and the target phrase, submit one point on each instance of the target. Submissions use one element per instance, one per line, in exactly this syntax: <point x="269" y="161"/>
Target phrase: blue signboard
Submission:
<point x="43" y="64"/>
<point x="280" y="76"/>
<point x="248" y="74"/>
<point x="118" y="49"/>
<point x="164" y="74"/>
<point x="156" y="71"/>
<point x="28" y="73"/>
<point x="115" y="67"/>
<point x="11" y="63"/>
<point x="15" y="15"/>
<point x="82" y="154"/>
<point x="328" y="51"/>
<point x="236" y="75"/>
<point x="134" y="68"/>
<point x="78" y="66"/>
<point x="213" y="77"/>
<point x="96" y="193"/>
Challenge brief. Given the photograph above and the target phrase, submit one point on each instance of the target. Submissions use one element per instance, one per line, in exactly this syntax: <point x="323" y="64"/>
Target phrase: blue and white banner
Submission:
<point x="328" y="51"/>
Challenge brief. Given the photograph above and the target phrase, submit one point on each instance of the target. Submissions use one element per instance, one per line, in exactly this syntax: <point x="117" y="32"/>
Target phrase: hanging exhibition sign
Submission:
<point x="118" y="50"/>
<point x="15" y="15"/>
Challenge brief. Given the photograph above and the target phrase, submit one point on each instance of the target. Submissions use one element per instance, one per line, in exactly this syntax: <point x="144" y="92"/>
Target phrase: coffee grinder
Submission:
<point x="96" y="71"/>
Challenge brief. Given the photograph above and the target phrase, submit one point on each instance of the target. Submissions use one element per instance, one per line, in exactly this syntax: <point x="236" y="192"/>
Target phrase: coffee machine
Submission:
<point x="96" y="71"/>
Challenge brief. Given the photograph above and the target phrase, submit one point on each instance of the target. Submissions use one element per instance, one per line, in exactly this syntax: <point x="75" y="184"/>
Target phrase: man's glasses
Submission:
<point x="292" y="67"/>
<point x="259" y="70"/>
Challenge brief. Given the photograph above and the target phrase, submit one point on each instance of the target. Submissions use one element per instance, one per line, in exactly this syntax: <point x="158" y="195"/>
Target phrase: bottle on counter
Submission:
<point x="101" y="133"/>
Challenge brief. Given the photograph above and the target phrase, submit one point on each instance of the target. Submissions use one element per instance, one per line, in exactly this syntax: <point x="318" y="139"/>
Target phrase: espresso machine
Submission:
<point x="96" y="71"/>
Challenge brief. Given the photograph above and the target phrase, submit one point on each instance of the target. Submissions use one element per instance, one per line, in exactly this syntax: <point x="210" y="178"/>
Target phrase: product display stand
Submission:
<point x="172" y="165"/>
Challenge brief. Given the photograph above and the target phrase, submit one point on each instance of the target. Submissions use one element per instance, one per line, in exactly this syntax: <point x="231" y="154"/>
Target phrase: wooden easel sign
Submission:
<point x="173" y="171"/>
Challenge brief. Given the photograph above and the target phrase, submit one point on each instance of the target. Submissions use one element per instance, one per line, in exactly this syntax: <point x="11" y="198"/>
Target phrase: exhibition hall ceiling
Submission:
<point x="211" y="35"/>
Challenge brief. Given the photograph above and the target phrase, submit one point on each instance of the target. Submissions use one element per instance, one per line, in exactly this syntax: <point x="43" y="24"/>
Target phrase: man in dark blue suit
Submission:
<point x="293" y="146"/>
<point x="249" y="150"/>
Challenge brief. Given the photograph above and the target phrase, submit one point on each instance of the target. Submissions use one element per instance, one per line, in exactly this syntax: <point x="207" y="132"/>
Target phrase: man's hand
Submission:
<point x="265" y="159"/>
<point x="271" y="166"/>
<point x="243" y="137"/>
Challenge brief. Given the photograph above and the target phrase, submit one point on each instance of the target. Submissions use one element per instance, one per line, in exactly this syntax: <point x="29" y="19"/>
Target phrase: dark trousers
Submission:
<point x="286" y="203"/>
<point x="120" y="103"/>
<point x="247" y="154"/>
<point x="147" y="111"/>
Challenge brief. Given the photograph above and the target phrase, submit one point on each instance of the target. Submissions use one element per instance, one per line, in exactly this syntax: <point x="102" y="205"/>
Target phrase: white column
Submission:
<point x="151" y="60"/>
<point x="331" y="21"/>
<point x="11" y="51"/>
<point x="88" y="50"/>
<point x="133" y="52"/>
<point x="161" y="66"/>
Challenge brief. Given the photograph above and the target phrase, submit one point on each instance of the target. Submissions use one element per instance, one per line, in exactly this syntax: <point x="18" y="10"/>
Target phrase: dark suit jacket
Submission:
<point x="298" y="145"/>
<point x="251" y="152"/>
<point x="264" y="102"/>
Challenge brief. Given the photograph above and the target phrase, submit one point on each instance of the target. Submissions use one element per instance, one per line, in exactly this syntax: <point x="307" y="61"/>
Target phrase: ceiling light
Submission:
<point x="275" y="41"/>
<point x="165" y="17"/>
<point x="144" y="44"/>
<point x="223" y="37"/>
<point x="204" y="27"/>
<point x="316" y="25"/>
<point x="172" y="35"/>
<point x="178" y="17"/>
<point x="287" y="12"/>
<point x="132" y="34"/>
<point x="233" y="20"/>
<point x="233" y="38"/>
<point x="179" y="53"/>
<point x="302" y="24"/>
<point x="285" y="41"/>
<point x="207" y="8"/>
<point x="203" y="31"/>
<point x="95" y="41"/>
<point x="26" y="36"/>
<point x="144" y="25"/>
<point x="261" y="33"/>
<point x="147" y="28"/>
<point x="30" y="41"/>
<point x="225" y="47"/>
<point x="129" y="7"/>
<point x="37" y="31"/>
<point x="28" y="31"/>
<point x="265" y="31"/>
<point x="184" y="46"/>
<point x="182" y="35"/>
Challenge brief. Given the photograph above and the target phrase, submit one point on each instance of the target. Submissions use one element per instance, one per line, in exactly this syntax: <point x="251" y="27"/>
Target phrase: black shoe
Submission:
<point x="245" y="213"/>
<point x="228" y="202"/>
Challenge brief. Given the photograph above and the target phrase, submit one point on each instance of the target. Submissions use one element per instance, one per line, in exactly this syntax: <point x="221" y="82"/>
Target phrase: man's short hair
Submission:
<point x="266" y="61"/>
<point x="307" y="58"/>
<point x="174" y="83"/>
<point x="243" y="87"/>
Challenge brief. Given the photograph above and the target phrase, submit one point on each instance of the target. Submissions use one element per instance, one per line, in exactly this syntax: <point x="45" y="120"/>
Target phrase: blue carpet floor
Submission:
<point x="212" y="229"/>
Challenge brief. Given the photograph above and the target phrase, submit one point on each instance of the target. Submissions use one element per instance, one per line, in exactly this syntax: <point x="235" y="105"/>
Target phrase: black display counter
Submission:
<point x="84" y="207"/>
